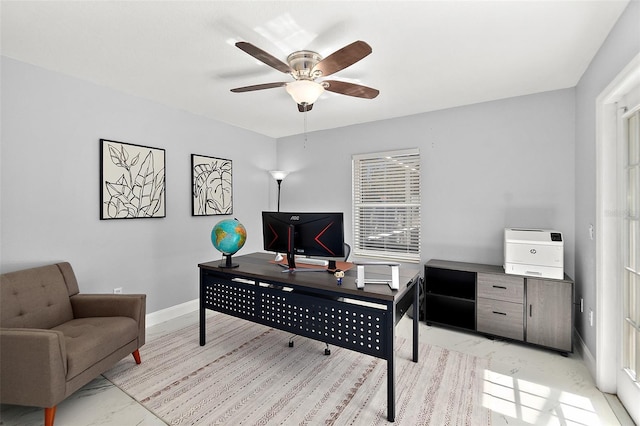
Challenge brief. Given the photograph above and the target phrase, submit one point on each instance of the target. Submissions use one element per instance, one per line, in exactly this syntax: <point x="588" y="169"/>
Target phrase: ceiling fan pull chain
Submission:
<point x="305" y="128"/>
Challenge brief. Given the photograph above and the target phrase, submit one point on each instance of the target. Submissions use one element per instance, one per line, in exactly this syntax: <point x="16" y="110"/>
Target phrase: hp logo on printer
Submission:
<point x="532" y="251"/>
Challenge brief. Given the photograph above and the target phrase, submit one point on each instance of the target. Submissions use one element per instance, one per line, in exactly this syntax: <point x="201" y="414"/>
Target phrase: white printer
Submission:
<point x="534" y="252"/>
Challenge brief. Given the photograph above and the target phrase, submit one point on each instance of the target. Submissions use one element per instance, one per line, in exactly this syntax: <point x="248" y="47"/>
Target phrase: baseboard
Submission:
<point x="584" y="352"/>
<point x="171" y="312"/>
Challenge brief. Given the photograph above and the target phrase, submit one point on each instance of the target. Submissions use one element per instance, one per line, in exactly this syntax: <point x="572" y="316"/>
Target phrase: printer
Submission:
<point x="534" y="253"/>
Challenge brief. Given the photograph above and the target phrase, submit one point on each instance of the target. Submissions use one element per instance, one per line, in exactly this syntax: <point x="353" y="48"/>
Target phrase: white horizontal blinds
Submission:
<point x="386" y="205"/>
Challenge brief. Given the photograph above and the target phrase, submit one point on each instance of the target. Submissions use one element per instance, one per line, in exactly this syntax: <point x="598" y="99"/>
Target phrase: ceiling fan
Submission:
<point x="306" y="66"/>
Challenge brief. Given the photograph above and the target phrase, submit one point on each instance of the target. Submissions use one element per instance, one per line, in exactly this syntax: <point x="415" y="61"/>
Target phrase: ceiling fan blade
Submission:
<point x="258" y="87"/>
<point x="343" y="58"/>
<point x="264" y="57"/>
<point x="305" y="107"/>
<point x="350" y="89"/>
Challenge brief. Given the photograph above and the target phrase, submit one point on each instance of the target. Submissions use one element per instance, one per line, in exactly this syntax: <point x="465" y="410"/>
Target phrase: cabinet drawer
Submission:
<point x="500" y="318"/>
<point x="501" y="287"/>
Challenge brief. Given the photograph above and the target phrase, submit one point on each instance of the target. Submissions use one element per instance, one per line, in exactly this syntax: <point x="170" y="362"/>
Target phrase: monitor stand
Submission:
<point x="302" y="269"/>
<point x="291" y="265"/>
<point x="291" y="260"/>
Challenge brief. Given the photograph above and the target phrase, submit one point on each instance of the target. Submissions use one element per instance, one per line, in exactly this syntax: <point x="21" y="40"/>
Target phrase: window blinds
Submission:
<point x="386" y="205"/>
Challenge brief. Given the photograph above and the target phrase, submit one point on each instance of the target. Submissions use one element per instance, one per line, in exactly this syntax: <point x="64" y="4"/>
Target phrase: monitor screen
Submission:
<point x="305" y="234"/>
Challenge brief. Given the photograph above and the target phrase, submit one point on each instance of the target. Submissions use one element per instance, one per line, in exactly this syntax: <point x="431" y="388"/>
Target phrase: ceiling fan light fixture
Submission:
<point x="304" y="92"/>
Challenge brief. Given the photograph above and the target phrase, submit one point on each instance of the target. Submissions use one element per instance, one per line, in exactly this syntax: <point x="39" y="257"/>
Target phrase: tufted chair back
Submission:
<point x="38" y="297"/>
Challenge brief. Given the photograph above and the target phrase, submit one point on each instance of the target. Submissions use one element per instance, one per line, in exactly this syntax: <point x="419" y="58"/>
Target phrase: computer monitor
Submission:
<point x="306" y="234"/>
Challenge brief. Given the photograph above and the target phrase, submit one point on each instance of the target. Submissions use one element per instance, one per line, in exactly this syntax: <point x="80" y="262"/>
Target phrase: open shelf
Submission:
<point x="447" y="282"/>
<point x="450" y="297"/>
<point x="450" y="311"/>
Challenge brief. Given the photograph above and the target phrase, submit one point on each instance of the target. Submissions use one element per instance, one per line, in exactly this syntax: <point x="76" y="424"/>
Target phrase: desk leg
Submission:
<point x="391" y="368"/>
<point x="203" y="322"/>
<point x="416" y="315"/>
<point x="391" y="390"/>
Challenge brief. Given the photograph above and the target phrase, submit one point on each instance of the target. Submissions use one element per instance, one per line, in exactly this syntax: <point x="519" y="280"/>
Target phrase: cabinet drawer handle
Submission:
<point x="499" y="286"/>
<point x="499" y="313"/>
<point x="530" y="310"/>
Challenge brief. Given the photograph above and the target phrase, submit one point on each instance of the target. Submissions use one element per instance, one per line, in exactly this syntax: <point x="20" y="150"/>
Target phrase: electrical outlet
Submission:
<point x="117" y="290"/>
<point x="591" y="317"/>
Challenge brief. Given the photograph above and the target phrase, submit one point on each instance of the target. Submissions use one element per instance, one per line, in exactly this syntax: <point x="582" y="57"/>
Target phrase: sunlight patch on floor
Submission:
<point x="537" y="404"/>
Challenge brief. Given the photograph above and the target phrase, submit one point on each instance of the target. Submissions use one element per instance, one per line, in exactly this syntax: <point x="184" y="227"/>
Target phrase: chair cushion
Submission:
<point x="89" y="340"/>
<point x="35" y="298"/>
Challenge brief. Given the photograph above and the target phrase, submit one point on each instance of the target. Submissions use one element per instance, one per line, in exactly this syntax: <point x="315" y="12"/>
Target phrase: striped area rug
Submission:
<point x="247" y="374"/>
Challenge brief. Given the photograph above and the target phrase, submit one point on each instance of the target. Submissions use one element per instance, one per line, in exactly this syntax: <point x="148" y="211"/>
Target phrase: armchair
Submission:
<point x="54" y="340"/>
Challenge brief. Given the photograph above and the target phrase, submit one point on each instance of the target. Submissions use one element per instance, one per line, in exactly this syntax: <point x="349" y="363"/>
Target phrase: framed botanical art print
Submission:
<point x="132" y="181"/>
<point x="212" y="192"/>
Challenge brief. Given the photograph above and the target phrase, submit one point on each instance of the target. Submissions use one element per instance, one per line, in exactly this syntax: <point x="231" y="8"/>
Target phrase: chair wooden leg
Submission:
<point x="136" y="356"/>
<point x="49" y="415"/>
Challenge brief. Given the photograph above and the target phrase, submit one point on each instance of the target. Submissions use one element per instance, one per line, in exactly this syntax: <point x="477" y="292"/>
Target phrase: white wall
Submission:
<point x="622" y="44"/>
<point x="50" y="180"/>
<point x="484" y="167"/>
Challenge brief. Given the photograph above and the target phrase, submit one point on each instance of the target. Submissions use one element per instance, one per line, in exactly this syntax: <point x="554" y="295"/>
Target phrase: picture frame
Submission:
<point x="211" y="186"/>
<point x="132" y="181"/>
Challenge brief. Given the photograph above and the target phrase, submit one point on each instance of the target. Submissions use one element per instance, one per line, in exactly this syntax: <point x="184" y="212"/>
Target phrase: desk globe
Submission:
<point x="228" y="236"/>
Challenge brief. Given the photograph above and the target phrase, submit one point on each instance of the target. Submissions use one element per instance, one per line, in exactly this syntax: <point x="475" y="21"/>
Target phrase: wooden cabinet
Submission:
<point x="483" y="299"/>
<point x="549" y="313"/>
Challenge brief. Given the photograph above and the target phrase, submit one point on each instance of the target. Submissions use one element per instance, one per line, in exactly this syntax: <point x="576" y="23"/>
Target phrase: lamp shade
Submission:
<point x="279" y="174"/>
<point x="304" y="91"/>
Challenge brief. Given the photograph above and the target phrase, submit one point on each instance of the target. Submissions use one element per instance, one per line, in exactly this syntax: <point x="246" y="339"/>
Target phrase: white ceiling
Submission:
<point x="427" y="55"/>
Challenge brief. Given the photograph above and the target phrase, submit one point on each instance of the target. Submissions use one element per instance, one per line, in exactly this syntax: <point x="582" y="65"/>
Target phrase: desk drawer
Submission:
<point x="501" y="287"/>
<point x="500" y="318"/>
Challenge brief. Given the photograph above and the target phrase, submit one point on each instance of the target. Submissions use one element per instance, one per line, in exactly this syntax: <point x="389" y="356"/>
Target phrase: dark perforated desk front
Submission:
<point x="311" y="304"/>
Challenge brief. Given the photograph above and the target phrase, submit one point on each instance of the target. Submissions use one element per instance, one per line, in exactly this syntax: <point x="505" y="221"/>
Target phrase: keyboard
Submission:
<point x="310" y="261"/>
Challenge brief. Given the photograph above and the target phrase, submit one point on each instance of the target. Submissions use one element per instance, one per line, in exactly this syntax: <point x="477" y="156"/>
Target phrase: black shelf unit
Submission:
<point x="450" y="297"/>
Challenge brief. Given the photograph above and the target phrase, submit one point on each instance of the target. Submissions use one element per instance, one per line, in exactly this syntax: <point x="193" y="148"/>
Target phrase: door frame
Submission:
<point x="608" y="231"/>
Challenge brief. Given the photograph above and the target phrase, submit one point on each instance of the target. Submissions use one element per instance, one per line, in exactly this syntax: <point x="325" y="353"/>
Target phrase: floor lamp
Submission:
<point x="279" y="176"/>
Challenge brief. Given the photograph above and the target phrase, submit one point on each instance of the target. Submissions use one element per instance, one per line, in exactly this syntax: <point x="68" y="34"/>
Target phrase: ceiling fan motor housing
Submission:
<point x="303" y="62"/>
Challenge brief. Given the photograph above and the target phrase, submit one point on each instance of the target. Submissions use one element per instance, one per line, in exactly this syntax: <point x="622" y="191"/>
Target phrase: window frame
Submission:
<point x="629" y="228"/>
<point x="395" y="242"/>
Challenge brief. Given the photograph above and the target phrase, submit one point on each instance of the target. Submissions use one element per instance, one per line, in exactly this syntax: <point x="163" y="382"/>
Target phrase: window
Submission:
<point x="631" y="247"/>
<point x="386" y="205"/>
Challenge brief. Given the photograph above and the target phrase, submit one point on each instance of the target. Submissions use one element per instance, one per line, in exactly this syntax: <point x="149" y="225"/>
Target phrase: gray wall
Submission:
<point x="527" y="161"/>
<point x="622" y="45"/>
<point x="484" y="167"/>
<point x="51" y="127"/>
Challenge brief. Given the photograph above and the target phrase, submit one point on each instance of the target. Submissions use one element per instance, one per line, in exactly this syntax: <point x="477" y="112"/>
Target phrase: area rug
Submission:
<point x="247" y="374"/>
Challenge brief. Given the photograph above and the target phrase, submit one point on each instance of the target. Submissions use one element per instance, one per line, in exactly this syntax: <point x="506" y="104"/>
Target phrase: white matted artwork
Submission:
<point x="212" y="192"/>
<point x="132" y="179"/>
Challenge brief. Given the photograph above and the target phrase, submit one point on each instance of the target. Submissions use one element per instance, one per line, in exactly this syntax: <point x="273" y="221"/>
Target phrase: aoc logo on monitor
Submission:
<point x="294" y="218"/>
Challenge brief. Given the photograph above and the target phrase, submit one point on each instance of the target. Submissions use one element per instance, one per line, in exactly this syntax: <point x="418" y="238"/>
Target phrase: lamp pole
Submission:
<point x="279" y="183"/>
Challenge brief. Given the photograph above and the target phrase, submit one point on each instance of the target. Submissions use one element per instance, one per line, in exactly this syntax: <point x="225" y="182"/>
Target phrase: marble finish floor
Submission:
<point x="523" y="386"/>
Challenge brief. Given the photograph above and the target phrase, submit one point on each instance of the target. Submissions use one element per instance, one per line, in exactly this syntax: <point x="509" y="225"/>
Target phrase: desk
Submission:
<point x="311" y="304"/>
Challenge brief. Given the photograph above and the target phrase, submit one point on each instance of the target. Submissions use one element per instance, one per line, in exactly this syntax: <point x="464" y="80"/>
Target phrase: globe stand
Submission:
<point x="228" y="263"/>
